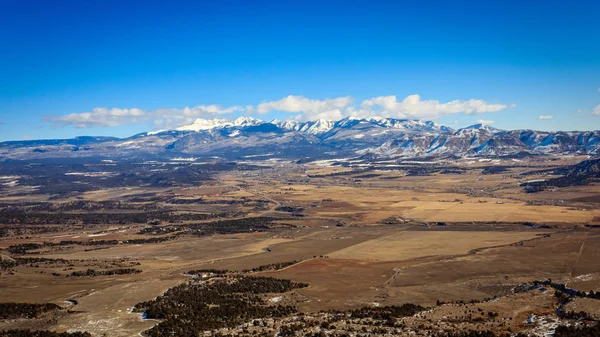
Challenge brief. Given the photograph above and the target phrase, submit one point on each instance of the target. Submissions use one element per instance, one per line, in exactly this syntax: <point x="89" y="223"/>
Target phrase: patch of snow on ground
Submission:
<point x="542" y="326"/>
<point x="94" y="235"/>
<point x="9" y="177"/>
<point x="183" y="159"/>
<point x="92" y="174"/>
<point x="259" y="155"/>
<point x="12" y="183"/>
<point x="275" y="299"/>
<point x="328" y="162"/>
<point x="586" y="277"/>
<point x="535" y="181"/>
<point x="9" y="181"/>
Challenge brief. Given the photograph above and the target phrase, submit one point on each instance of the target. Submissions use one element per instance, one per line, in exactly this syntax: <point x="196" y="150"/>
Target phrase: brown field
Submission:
<point x="388" y="239"/>
<point x="408" y="245"/>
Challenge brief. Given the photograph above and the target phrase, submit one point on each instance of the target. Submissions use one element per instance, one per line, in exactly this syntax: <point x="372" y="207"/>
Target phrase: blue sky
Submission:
<point x="116" y="68"/>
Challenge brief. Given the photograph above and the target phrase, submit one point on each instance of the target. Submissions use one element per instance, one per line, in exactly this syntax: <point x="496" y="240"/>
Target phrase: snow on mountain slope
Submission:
<point x="317" y="127"/>
<point x="209" y="124"/>
<point x="375" y="136"/>
<point x="313" y="127"/>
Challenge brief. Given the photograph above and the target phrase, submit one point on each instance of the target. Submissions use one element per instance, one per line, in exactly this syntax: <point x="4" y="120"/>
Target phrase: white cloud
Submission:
<point x="300" y="108"/>
<point x="413" y="107"/>
<point x="101" y="117"/>
<point x="543" y="117"/>
<point x="329" y="108"/>
<point x="597" y="110"/>
<point x="161" y="117"/>
<point x="485" y="122"/>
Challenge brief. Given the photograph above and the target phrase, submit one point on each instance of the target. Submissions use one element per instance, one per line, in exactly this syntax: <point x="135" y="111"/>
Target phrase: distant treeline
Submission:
<point x="48" y="175"/>
<point x="24" y="248"/>
<point x="583" y="173"/>
<point x="42" y="333"/>
<point x="387" y="312"/>
<point x="17" y="230"/>
<point x="475" y="334"/>
<point x="11" y="310"/>
<point x="570" y="331"/>
<point x="258" y="224"/>
<point x="245" y="225"/>
<point x="290" y="209"/>
<point x="182" y="201"/>
<point x="10" y="217"/>
<point x="569" y="291"/>
<point x="162" y="230"/>
<point x="234" y="226"/>
<point x="272" y="266"/>
<point x="93" y="272"/>
<point x="208" y="271"/>
<point x="77" y="205"/>
<point x="18" y="261"/>
<point x="561" y="331"/>
<point x="266" y="267"/>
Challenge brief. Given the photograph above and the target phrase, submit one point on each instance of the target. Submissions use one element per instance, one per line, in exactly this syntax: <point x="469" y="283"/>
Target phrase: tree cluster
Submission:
<point x="474" y="334"/>
<point x="77" y="205"/>
<point x="272" y="266"/>
<point x="208" y="271"/>
<point x="24" y="248"/>
<point x="585" y="331"/>
<point x="568" y="291"/>
<point x="93" y="272"/>
<point x="387" y="312"/>
<point x="42" y="333"/>
<point x="11" y="217"/>
<point x="190" y="308"/>
<point x="11" y="310"/>
<point x="245" y="225"/>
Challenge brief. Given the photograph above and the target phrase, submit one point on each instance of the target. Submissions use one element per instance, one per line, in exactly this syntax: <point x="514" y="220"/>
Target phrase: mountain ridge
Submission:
<point x="377" y="137"/>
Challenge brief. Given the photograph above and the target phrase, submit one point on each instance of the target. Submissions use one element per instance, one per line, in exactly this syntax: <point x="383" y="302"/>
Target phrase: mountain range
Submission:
<point x="376" y="137"/>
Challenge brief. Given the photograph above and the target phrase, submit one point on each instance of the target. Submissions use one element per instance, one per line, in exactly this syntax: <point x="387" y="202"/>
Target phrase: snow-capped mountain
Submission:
<point x="313" y="127"/>
<point x="374" y="137"/>
<point x="208" y="124"/>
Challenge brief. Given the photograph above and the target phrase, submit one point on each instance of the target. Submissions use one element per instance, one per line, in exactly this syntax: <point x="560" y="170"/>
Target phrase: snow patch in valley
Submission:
<point x="535" y="181"/>
<point x="259" y="155"/>
<point x="95" y="235"/>
<point x="586" y="277"/>
<point x="9" y="181"/>
<point x="92" y="174"/>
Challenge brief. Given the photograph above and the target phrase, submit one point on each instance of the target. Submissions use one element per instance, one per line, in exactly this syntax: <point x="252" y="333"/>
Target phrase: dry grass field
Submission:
<point x="407" y="245"/>
<point x="374" y="239"/>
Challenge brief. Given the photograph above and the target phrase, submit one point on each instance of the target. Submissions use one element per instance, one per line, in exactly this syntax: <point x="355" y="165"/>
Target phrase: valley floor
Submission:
<point x="358" y="239"/>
